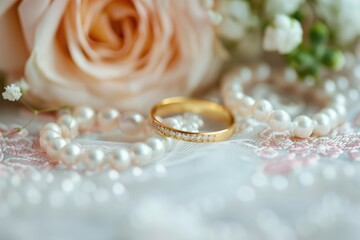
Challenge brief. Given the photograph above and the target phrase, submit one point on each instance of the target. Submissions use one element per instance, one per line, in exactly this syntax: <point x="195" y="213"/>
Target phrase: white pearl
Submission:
<point x="68" y="125"/>
<point x="309" y="82"/>
<point x="69" y="154"/>
<point x="47" y="136"/>
<point x="172" y="122"/>
<point x="233" y="83"/>
<point x="341" y="111"/>
<point x="245" y="105"/>
<point x="340" y="98"/>
<point x="290" y="75"/>
<point x="332" y="114"/>
<point x="280" y="121"/>
<point x="353" y="94"/>
<point x="245" y="74"/>
<point x="50" y="126"/>
<point x="192" y="128"/>
<point x="54" y="146"/>
<point x="63" y="111"/>
<point x="303" y="126"/>
<point x="119" y="159"/>
<point x="263" y="71"/>
<point x="191" y="118"/>
<point x="93" y="159"/>
<point x="156" y="145"/>
<point x="262" y="110"/>
<point x="322" y="125"/>
<point x="342" y="83"/>
<point x="329" y="86"/>
<point x="85" y="117"/>
<point x="168" y="142"/>
<point x="108" y="119"/>
<point x="232" y="99"/>
<point x="141" y="153"/>
<point x="131" y="123"/>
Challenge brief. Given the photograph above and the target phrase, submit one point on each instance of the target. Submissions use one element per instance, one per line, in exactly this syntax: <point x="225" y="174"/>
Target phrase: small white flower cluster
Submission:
<point x="275" y="7"/>
<point x="13" y="92"/>
<point x="237" y="19"/>
<point x="240" y="24"/>
<point x="284" y="35"/>
<point x="343" y="17"/>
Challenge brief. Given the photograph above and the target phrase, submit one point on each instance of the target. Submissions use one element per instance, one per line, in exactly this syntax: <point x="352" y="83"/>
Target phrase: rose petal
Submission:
<point x="164" y="49"/>
<point x="31" y="12"/>
<point x="5" y="5"/>
<point x="12" y="46"/>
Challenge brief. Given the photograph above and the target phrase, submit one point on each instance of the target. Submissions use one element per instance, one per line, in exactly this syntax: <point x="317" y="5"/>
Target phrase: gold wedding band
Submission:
<point x="178" y="105"/>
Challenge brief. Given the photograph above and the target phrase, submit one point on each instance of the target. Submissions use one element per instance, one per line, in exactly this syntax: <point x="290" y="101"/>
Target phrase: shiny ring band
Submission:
<point x="178" y="105"/>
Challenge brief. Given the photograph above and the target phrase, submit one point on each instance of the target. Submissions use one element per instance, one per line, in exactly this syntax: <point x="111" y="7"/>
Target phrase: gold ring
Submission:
<point x="178" y="105"/>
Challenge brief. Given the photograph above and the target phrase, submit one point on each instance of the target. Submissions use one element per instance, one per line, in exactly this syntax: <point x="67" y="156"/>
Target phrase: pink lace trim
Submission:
<point x="282" y="153"/>
<point x="19" y="151"/>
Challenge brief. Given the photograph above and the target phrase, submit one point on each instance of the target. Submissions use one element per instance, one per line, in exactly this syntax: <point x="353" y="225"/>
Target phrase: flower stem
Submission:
<point x="28" y="106"/>
<point x="45" y="110"/>
<point x="53" y="109"/>
<point x="35" y="114"/>
<point x="19" y="129"/>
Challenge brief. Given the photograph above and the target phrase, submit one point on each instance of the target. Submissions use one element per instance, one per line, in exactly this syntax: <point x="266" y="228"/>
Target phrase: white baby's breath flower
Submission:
<point x="283" y="35"/>
<point x="12" y="92"/>
<point x="343" y="17"/>
<point x="274" y="7"/>
<point x="237" y="18"/>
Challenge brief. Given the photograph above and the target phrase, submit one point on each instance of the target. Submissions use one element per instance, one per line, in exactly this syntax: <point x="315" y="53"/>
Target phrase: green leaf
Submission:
<point x="319" y="51"/>
<point x="298" y="15"/>
<point x="319" y="34"/>
<point x="333" y="58"/>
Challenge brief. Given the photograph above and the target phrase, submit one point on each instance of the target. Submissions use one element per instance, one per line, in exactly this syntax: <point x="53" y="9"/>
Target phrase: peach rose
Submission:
<point x="123" y="53"/>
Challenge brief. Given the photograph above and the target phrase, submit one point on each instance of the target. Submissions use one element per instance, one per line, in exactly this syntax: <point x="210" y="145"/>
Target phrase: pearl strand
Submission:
<point x="56" y="140"/>
<point x="328" y="118"/>
<point x="107" y="119"/>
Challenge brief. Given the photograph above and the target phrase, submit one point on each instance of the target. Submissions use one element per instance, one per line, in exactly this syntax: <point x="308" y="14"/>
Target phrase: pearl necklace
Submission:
<point x="56" y="139"/>
<point x="239" y="79"/>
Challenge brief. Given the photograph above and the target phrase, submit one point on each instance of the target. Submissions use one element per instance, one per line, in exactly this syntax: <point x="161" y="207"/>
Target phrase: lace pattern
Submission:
<point x="279" y="152"/>
<point x="277" y="187"/>
<point x="284" y="153"/>
<point x="19" y="151"/>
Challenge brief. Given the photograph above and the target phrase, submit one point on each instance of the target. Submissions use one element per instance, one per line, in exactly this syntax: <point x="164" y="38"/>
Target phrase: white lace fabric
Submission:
<point x="256" y="185"/>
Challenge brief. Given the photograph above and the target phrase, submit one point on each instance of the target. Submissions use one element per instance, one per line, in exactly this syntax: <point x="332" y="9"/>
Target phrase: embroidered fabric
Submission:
<point x="257" y="185"/>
